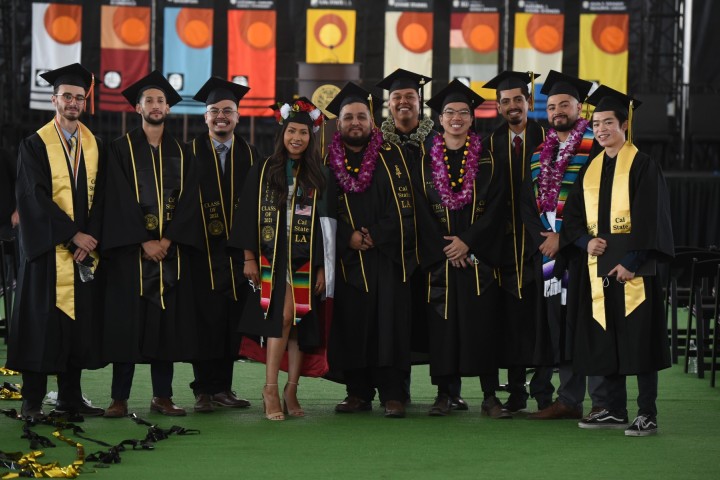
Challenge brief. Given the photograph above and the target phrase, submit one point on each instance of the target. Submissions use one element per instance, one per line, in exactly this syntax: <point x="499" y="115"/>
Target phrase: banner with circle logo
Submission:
<point x="56" y="42"/>
<point x="330" y="34"/>
<point x="251" y="54"/>
<point x="187" y="51"/>
<point x="603" y="46"/>
<point x="124" y="52"/>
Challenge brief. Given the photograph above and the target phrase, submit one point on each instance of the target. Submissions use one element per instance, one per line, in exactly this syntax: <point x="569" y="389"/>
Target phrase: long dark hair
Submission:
<point x="309" y="176"/>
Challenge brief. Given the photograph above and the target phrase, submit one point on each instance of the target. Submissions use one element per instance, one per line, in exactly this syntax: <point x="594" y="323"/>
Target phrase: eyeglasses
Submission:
<point x="68" y="97"/>
<point x="451" y="113"/>
<point x="214" y="112"/>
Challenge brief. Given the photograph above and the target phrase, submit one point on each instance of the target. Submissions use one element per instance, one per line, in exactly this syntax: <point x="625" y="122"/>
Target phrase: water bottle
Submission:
<point x="692" y="360"/>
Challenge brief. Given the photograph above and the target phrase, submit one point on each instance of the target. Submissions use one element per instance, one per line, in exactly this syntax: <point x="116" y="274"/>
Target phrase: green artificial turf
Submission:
<point x="242" y="444"/>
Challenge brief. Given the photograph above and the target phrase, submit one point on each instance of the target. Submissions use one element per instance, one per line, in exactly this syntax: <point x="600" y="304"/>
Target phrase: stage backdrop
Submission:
<point x="330" y="32"/>
<point x="604" y="30"/>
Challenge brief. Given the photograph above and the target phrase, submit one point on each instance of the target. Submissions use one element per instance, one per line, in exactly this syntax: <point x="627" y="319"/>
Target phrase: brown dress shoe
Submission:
<point x="394" y="409"/>
<point x="203" y="403"/>
<point x="166" y="407"/>
<point x="557" y="411"/>
<point x="353" y="404"/>
<point x="493" y="408"/>
<point x="441" y="407"/>
<point x="117" y="409"/>
<point x="228" y="399"/>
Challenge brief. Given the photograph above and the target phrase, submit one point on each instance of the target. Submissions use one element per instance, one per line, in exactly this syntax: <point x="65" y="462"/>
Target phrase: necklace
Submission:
<point x="339" y="164"/>
<point x="442" y="178"/>
<point x="417" y="138"/>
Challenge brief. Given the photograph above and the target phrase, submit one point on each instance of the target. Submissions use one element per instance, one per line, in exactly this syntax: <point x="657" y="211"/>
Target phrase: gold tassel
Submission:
<point x="630" y="119"/>
<point x="532" y="91"/>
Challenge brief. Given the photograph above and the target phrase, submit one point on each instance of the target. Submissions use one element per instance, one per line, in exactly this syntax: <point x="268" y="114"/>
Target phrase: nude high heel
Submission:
<point x="271" y="415"/>
<point x="298" y="412"/>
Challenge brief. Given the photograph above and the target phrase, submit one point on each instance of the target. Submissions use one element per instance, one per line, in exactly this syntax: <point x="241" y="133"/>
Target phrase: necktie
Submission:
<point x="221" y="150"/>
<point x="517" y="145"/>
<point x="73" y="151"/>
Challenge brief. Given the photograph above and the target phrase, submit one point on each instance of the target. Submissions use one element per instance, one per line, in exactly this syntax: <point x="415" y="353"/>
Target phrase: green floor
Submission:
<point x="241" y="444"/>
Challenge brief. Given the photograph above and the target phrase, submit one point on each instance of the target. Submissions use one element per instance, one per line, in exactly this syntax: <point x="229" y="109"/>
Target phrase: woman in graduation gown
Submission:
<point x="459" y="206"/>
<point x="281" y="238"/>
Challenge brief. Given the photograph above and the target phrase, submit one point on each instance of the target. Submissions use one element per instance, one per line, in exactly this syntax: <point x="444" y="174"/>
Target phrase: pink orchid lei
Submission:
<point x="551" y="172"/>
<point x="337" y="160"/>
<point x="441" y="180"/>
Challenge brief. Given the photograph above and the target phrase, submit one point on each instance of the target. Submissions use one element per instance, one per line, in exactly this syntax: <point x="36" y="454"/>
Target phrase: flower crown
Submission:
<point x="286" y="111"/>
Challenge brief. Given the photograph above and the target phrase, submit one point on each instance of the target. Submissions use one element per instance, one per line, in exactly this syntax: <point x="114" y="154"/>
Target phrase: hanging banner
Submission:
<point x="56" y="42"/>
<point x="124" y="50"/>
<point x="409" y="38"/>
<point x="330" y="34"/>
<point x="252" y="52"/>
<point x="187" y="50"/>
<point x="603" y="46"/>
<point x="474" y="44"/>
<point x="539" y="29"/>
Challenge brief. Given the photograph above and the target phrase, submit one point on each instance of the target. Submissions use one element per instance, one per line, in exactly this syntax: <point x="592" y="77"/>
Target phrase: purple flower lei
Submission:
<point x="441" y="181"/>
<point x="336" y="161"/>
<point x="551" y="172"/>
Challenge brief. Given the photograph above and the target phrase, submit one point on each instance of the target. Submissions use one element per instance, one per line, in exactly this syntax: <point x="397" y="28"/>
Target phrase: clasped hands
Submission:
<point x="457" y="252"/>
<point x="85" y="244"/>
<point x="361" y="240"/>
<point x="156" y="250"/>
<point x="596" y="247"/>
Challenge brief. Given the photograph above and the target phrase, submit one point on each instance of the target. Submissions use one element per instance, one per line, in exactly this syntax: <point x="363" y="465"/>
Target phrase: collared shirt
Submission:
<point x="68" y="136"/>
<point x="222" y="155"/>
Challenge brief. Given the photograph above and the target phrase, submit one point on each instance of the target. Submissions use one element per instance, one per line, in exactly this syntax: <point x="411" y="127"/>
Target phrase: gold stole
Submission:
<point x="62" y="195"/>
<point x="620" y="221"/>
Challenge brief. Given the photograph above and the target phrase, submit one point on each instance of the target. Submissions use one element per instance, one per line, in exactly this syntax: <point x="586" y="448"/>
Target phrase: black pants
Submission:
<point x="212" y="376"/>
<point x="647" y="393"/>
<point x="446" y="384"/>
<point x="34" y="388"/>
<point x="161" y="374"/>
<point x="388" y="381"/>
<point x="541" y="387"/>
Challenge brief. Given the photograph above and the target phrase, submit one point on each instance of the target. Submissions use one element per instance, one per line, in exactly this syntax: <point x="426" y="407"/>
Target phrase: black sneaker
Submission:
<point x="604" y="419"/>
<point x="642" y="426"/>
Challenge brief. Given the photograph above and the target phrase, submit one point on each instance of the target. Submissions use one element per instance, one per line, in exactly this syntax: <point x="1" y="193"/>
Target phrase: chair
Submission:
<point x="702" y="272"/>
<point x="716" y="327"/>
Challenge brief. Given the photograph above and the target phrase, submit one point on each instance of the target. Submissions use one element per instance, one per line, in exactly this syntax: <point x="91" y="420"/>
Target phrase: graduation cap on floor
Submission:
<point x="154" y="79"/>
<point x="353" y="93"/>
<point x="401" y="79"/>
<point x="456" y="91"/>
<point x="510" y="79"/>
<point x="558" y="83"/>
<point x="217" y="89"/>
<point x="74" y="74"/>
<point x="607" y="99"/>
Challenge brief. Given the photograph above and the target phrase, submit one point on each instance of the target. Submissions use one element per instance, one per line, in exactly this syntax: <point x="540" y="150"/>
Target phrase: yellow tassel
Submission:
<point x="532" y="91"/>
<point x="630" y="119"/>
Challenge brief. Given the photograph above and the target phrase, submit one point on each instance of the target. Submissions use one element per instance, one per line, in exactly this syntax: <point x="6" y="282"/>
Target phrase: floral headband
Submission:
<point x="299" y="107"/>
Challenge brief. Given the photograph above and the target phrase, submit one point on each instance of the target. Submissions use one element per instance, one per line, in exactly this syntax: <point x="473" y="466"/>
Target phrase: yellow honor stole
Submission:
<point x="620" y="223"/>
<point x="58" y="152"/>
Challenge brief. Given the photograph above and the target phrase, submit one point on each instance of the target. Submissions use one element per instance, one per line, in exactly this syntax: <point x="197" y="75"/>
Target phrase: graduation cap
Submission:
<point x="154" y="79"/>
<point x="300" y="110"/>
<point x="401" y="79"/>
<point x="456" y="91"/>
<point x="510" y="79"/>
<point x="559" y="83"/>
<point x="607" y="99"/>
<point x="217" y="89"/>
<point x="353" y="93"/>
<point x="74" y="74"/>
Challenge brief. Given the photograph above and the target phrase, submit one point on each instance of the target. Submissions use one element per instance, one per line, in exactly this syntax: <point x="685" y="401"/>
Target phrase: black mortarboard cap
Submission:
<point x="606" y="99"/>
<point x="74" y="74"/>
<point x="352" y="93"/>
<point x="509" y="79"/>
<point x="456" y="91"/>
<point x="217" y="89"/>
<point x="401" y="78"/>
<point x="558" y="83"/>
<point x="154" y="79"/>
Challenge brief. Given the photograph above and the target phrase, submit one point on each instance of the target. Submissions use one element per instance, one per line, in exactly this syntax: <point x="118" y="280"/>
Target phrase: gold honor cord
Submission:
<point x="397" y="205"/>
<point x="277" y="234"/>
<point x="207" y="240"/>
<point x="518" y="271"/>
<point x="412" y="197"/>
<point x="362" y="262"/>
<point x="472" y="220"/>
<point x="137" y="198"/>
<point x="620" y="223"/>
<point x="159" y="190"/>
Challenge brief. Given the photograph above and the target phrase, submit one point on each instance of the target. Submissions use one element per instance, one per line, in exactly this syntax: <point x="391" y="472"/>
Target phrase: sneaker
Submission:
<point x="593" y="412"/>
<point x="604" y="419"/>
<point x="642" y="426"/>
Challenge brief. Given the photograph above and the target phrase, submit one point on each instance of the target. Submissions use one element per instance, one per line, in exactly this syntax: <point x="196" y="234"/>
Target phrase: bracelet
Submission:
<point x="248" y="259"/>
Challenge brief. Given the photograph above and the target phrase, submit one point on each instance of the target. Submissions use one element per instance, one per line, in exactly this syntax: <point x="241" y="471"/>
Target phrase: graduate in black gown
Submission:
<point x="223" y="160"/>
<point x="619" y="208"/>
<point x="369" y="345"/>
<point x="460" y="195"/>
<point x="57" y="319"/>
<point x="280" y="239"/>
<point x="151" y="230"/>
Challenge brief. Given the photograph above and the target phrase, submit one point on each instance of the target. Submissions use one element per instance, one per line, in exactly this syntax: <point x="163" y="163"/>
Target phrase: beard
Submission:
<point x="564" y="127"/>
<point x="154" y="121"/>
<point x="515" y="121"/>
<point x="356" y="141"/>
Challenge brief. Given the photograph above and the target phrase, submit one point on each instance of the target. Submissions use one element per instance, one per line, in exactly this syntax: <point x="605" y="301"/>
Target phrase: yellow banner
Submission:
<point x="330" y="36"/>
<point x="604" y="49"/>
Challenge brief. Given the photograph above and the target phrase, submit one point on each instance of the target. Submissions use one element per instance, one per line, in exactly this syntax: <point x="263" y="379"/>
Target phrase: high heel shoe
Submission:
<point x="298" y="412"/>
<point x="272" y="415"/>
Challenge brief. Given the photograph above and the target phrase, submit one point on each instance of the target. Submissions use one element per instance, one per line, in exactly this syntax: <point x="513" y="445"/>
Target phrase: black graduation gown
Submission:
<point x="637" y="343"/>
<point x="244" y="236"/>
<point x="138" y="330"/>
<point x="465" y="343"/>
<point x="519" y="306"/>
<point x="219" y="304"/>
<point x="370" y="328"/>
<point x="42" y="337"/>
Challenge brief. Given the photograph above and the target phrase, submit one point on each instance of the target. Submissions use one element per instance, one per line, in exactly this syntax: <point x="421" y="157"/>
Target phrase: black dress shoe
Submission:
<point x="493" y="408"/>
<point x="203" y="403"/>
<point x="33" y="412"/>
<point x="441" y="407"/>
<point x="82" y="408"/>
<point x="514" y="404"/>
<point x="229" y="399"/>
<point x="458" y="403"/>
<point x="353" y="404"/>
<point x="394" y="409"/>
